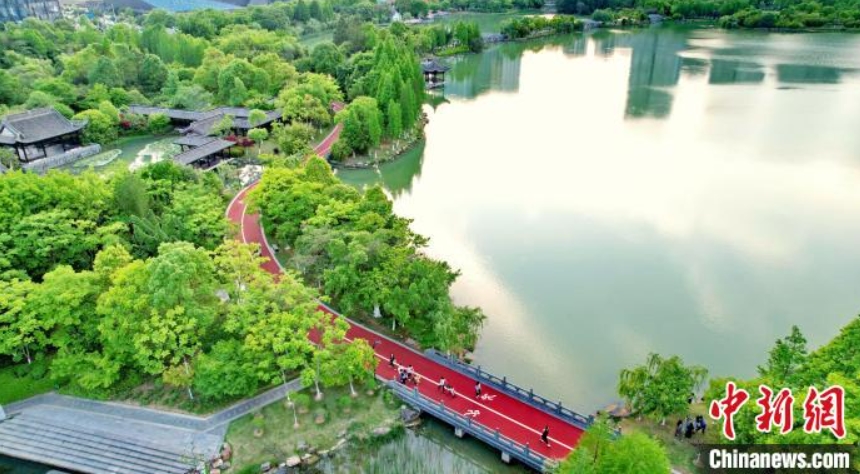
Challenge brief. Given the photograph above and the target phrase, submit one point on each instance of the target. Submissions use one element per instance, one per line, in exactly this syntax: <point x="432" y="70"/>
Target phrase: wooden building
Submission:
<point x="202" y="152"/>
<point x="40" y="133"/>
<point x="201" y="122"/>
<point x="434" y="73"/>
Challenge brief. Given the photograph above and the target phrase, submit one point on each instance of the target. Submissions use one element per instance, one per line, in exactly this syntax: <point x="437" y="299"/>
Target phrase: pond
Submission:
<point x="606" y="195"/>
<point x="128" y="153"/>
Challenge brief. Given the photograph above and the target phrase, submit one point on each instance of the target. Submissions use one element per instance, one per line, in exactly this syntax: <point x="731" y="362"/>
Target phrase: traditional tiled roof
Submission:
<point x="37" y="125"/>
<point x="431" y="65"/>
<point x="202" y="121"/>
<point x="192" y="140"/>
<point x="209" y="148"/>
<point x="173" y="114"/>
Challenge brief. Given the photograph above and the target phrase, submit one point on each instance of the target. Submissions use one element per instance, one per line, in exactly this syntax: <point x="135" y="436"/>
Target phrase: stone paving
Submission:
<point x="196" y="436"/>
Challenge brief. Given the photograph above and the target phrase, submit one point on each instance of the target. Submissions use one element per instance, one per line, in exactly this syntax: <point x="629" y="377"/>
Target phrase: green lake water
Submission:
<point x="605" y="195"/>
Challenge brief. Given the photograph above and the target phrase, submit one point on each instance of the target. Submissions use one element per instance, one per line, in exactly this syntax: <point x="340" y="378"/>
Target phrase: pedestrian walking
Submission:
<point x="442" y="384"/>
<point x="688" y="429"/>
<point x="391" y="360"/>
<point x="679" y="428"/>
<point x="701" y="425"/>
<point x="477" y="389"/>
<point x="544" y="436"/>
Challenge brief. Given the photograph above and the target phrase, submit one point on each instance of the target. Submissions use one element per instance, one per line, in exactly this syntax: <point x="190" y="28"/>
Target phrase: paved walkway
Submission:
<point x="496" y="410"/>
<point x="157" y="417"/>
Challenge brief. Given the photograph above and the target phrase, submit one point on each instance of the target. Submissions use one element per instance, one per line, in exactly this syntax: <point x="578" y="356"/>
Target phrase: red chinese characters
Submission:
<point x="825" y="410"/>
<point x="727" y="407"/>
<point x="775" y="410"/>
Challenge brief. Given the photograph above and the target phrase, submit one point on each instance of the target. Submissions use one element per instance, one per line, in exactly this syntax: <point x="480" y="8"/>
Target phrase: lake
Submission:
<point x="609" y="194"/>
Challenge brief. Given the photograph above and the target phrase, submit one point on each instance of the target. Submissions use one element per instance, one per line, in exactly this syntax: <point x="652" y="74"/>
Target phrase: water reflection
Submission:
<point x="658" y="59"/>
<point x="735" y="72"/>
<point x="624" y="193"/>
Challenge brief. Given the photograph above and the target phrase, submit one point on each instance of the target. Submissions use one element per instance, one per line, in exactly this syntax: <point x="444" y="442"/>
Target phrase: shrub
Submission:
<point x="344" y="402"/>
<point x="340" y="150"/>
<point x="158" y="124"/>
<point x="302" y="400"/>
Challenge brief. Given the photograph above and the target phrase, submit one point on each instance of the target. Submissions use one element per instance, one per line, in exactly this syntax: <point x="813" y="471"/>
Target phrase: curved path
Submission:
<point x="496" y="410"/>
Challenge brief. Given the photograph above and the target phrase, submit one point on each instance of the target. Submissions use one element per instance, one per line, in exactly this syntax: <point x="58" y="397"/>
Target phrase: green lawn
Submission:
<point x="314" y="39"/>
<point x="682" y="453"/>
<point x="33" y="381"/>
<point x="280" y="439"/>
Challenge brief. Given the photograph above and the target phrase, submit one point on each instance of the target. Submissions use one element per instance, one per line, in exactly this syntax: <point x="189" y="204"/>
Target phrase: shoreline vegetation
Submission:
<point x="131" y="284"/>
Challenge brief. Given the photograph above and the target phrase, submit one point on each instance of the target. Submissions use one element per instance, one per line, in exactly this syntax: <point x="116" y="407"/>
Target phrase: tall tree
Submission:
<point x="785" y="358"/>
<point x="660" y="387"/>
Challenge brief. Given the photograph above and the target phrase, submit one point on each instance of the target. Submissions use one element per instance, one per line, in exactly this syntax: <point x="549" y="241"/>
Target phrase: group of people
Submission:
<point x="407" y="375"/>
<point x="688" y="427"/>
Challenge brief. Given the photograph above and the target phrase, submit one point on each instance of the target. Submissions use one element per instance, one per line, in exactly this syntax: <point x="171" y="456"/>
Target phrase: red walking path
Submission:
<point x="497" y="410"/>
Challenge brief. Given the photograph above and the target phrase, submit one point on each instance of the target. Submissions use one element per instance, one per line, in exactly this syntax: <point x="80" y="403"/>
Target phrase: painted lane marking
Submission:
<point x="502" y="415"/>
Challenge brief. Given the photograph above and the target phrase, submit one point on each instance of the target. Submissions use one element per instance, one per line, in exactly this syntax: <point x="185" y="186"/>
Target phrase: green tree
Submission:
<point x="293" y="139"/>
<point x="259" y="135"/>
<point x="226" y="371"/>
<point x="9" y="159"/>
<point x="256" y="117"/>
<point x="104" y="72"/>
<point x="599" y="451"/>
<point x="11" y="90"/>
<point x="327" y="58"/>
<point x="111" y="112"/>
<point x="158" y="124"/>
<point x="306" y="108"/>
<point x="223" y="126"/>
<point x="362" y="124"/>
<point x="22" y="333"/>
<point x="661" y="387"/>
<point x="395" y="120"/>
<point x="100" y="128"/>
<point x="785" y="358"/>
<point x="158" y="313"/>
<point x="238" y="94"/>
<point x="153" y="74"/>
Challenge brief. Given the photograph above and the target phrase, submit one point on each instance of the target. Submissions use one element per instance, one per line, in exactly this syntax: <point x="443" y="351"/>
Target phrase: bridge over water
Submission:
<point x="505" y="416"/>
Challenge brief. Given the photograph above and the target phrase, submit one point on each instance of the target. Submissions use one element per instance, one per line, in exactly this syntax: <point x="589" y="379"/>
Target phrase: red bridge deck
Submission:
<point x="497" y="410"/>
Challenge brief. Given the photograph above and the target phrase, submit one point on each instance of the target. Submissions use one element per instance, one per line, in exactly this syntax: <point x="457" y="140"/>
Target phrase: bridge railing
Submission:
<point x="521" y="452"/>
<point x="502" y="384"/>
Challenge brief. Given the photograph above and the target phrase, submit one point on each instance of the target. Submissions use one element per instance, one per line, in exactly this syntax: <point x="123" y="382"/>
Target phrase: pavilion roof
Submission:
<point x="37" y="125"/>
<point x="214" y="145"/>
<point x="432" y="65"/>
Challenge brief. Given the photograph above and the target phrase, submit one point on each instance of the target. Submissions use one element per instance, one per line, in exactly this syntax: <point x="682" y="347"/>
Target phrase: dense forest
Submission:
<point x="782" y="14"/>
<point x="109" y="282"/>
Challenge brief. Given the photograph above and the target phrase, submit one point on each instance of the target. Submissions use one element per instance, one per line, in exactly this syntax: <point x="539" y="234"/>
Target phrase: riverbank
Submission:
<point x="386" y="152"/>
<point x="304" y="430"/>
<point x="683" y="453"/>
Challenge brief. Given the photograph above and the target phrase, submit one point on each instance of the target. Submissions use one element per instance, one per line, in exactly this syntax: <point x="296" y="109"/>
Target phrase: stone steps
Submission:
<point x="131" y="447"/>
<point x="35" y="438"/>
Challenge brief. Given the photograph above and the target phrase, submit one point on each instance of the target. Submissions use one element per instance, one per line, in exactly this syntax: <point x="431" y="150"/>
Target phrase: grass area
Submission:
<point x="487" y="22"/>
<point x="21" y="381"/>
<point x="388" y="150"/>
<point x="321" y="424"/>
<point x="682" y="453"/>
<point x="314" y="39"/>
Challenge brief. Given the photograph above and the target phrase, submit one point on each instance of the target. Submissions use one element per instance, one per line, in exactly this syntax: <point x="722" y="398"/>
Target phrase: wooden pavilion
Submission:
<point x="434" y="73"/>
<point x="40" y="133"/>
